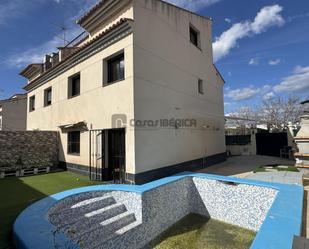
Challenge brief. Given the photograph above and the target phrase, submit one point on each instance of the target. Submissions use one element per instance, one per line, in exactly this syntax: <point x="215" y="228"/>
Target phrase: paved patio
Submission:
<point x="243" y="166"/>
<point x="281" y="177"/>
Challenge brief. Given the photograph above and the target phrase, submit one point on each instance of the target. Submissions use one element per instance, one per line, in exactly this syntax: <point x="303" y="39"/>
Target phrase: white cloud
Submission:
<point x="243" y="93"/>
<point x="268" y="96"/>
<point x="253" y="62"/>
<point x="297" y="82"/>
<point x="36" y="55"/>
<point x="274" y="62"/>
<point x="266" y="18"/>
<point x="229" y="38"/>
<point x="193" y="5"/>
<point x="228" y="20"/>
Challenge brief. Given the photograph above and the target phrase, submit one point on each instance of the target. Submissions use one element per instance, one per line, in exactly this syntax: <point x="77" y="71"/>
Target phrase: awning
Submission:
<point x="80" y="125"/>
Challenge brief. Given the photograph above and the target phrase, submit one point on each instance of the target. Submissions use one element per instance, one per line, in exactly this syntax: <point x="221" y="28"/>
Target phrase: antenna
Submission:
<point x="1" y="92"/>
<point x="63" y="29"/>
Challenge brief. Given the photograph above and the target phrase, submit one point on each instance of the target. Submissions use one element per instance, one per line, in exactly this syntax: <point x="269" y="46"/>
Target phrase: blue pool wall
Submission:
<point x="284" y="219"/>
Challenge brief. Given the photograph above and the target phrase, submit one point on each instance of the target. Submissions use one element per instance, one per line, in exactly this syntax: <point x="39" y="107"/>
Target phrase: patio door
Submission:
<point x="116" y="154"/>
<point x="107" y="155"/>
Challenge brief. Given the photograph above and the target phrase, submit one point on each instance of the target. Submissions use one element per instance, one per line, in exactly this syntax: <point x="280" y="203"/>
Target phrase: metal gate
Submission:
<point x="270" y="144"/>
<point x="96" y="155"/>
<point x="107" y="155"/>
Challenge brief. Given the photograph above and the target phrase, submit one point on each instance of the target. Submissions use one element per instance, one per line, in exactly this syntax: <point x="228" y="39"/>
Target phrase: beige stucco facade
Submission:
<point x="95" y="105"/>
<point x="162" y="70"/>
<point x="166" y="72"/>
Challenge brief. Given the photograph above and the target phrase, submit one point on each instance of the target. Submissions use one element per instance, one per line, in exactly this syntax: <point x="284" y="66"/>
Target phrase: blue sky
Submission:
<point x="261" y="48"/>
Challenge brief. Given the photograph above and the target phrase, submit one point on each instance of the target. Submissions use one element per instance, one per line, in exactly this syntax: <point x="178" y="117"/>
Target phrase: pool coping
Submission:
<point x="283" y="220"/>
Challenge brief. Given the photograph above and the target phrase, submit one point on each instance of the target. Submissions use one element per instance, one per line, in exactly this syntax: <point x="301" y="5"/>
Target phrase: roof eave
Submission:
<point x="219" y="73"/>
<point x="27" y="71"/>
<point x="91" y="11"/>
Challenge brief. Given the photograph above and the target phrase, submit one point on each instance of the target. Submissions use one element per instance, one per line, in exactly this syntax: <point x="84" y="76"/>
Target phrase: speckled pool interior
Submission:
<point x="123" y="216"/>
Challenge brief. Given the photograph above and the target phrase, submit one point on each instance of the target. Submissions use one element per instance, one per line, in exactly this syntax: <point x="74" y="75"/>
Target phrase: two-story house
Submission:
<point x="137" y="98"/>
<point x="13" y="113"/>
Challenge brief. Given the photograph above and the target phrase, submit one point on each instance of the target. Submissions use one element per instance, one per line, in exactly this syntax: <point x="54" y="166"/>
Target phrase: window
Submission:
<point x="194" y="37"/>
<point x="74" y="86"/>
<point x="48" y="97"/>
<point x="32" y="104"/>
<point x="200" y="86"/>
<point x="115" y="69"/>
<point x="74" y="142"/>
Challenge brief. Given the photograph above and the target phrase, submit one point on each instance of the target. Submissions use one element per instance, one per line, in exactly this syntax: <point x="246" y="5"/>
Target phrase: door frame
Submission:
<point x="99" y="170"/>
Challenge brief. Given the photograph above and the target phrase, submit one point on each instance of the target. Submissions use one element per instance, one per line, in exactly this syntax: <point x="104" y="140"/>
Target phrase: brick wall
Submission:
<point x="28" y="149"/>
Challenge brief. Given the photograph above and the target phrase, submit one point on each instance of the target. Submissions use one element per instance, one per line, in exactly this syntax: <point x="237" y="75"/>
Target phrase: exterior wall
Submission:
<point x="95" y="105"/>
<point x="243" y="149"/>
<point x="28" y="149"/>
<point x="166" y="72"/>
<point x="14" y="114"/>
<point x="125" y="12"/>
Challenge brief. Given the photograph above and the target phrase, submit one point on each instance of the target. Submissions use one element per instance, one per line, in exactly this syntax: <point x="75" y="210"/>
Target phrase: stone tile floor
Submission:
<point x="242" y="166"/>
<point x="280" y="177"/>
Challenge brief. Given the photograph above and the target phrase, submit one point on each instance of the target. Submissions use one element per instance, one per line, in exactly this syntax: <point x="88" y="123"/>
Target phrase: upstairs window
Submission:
<point x="115" y="68"/>
<point x="74" y="86"/>
<point x="32" y="104"/>
<point x="200" y="86"/>
<point x="195" y="37"/>
<point x="74" y="142"/>
<point x="48" y="97"/>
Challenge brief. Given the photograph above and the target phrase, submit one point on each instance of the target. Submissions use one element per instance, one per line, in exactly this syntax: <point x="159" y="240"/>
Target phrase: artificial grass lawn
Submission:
<point x="18" y="193"/>
<point x="272" y="168"/>
<point x="198" y="232"/>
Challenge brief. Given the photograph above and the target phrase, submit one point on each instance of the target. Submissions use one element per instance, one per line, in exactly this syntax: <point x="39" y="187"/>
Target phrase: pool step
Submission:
<point x="90" y="201"/>
<point x="107" y="210"/>
<point x="127" y="228"/>
<point x="96" y="219"/>
<point x="69" y="216"/>
<point x="118" y="219"/>
<point x="107" y="230"/>
<point x="88" y="222"/>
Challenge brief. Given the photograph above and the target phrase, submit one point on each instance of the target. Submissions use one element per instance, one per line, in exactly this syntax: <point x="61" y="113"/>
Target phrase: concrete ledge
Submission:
<point x="151" y="175"/>
<point x="283" y="220"/>
<point x="193" y="165"/>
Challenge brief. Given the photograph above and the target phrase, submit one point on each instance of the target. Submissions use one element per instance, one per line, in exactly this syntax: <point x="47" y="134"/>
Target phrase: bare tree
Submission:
<point x="278" y="112"/>
<point x="244" y="117"/>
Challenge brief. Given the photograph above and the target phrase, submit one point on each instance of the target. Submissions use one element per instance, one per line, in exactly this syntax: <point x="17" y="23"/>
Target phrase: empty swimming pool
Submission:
<point x="122" y="216"/>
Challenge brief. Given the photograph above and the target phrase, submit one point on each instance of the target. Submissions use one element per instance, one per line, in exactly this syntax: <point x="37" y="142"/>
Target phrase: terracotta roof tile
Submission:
<point x="90" y="11"/>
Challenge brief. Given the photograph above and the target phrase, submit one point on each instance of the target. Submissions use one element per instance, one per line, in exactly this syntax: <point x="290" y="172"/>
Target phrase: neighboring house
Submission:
<point x="111" y="94"/>
<point x="13" y="113"/>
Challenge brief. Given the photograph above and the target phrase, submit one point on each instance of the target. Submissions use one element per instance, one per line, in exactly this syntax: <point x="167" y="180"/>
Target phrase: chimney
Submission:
<point x="47" y="62"/>
<point x="55" y="59"/>
<point x="65" y="52"/>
